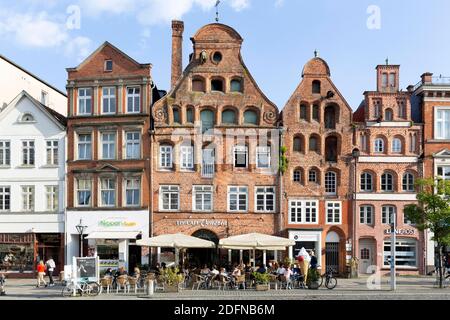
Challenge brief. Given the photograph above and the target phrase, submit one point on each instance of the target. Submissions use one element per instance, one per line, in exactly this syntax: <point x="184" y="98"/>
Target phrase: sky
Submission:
<point x="280" y="36"/>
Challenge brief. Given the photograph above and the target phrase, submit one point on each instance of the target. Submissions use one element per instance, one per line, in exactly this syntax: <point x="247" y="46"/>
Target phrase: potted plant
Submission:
<point x="313" y="279"/>
<point x="262" y="281"/>
<point x="172" y="279"/>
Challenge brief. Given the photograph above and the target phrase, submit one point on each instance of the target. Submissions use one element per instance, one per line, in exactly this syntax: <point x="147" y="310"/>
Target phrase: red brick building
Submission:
<point x="316" y="202"/>
<point x="214" y="147"/>
<point x="388" y="132"/>
<point x="108" y="167"/>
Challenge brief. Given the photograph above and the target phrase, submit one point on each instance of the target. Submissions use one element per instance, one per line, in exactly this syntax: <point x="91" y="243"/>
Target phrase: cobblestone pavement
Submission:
<point x="408" y="288"/>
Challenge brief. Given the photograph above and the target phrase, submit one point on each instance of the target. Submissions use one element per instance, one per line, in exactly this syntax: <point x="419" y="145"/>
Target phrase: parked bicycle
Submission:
<point x="328" y="279"/>
<point x="82" y="288"/>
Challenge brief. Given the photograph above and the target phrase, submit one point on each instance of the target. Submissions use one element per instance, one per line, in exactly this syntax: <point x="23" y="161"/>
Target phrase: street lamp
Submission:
<point x="81" y="228"/>
<point x="355" y="155"/>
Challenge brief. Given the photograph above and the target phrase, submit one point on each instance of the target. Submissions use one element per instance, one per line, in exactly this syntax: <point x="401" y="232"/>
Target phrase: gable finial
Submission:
<point x="387" y="61"/>
<point x="217" y="10"/>
<point x="316" y="53"/>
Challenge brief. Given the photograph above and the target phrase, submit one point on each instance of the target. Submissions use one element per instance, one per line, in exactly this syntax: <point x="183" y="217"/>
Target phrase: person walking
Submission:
<point x="51" y="265"/>
<point x="41" y="274"/>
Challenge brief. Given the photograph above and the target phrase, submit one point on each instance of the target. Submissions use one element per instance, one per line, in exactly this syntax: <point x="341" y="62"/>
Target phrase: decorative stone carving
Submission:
<point x="160" y="115"/>
<point x="270" y="117"/>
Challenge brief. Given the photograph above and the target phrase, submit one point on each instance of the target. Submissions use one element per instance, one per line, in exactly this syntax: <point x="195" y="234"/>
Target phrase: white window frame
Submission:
<point x="52" y="198"/>
<point x="134" y="144"/>
<point x="87" y="145"/>
<point x="316" y="176"/>
<point x="106" y="64"/>
<point x="165" y="157"/>
<point x="385" y="184"/>
<point x="111" y="191"/>
<point x="132" y="108"/>
<point x="109" y="97"/>
<point x="82" y="111"/>
<point x="28" y="198"/>
<point x="172" y="191"/>
<point x="187" y="158"/>
<point x="5" y="153"/>
<point x="365" y="183"/>
<point x="28" y="153"/>
<point x="384" y="211"/>
<point x="237" y="191"/>
<point x="135" y="184"/>
<point x="52" y="152"/>
<point x="397" y="145"/>
<point x="263" y="151"/>
<point x="87" y="188"/>
<point x="379" y="146"/>
<point x="297" y="174"/>
<point x="44" y="97"/>
<point x="444" y="133"/>
<point x="366" y="214"/>
<point x="201" y="191"/>
<point x="264" y="192"/>
<point x="445" y="170"/>
<point x="336" y="212"/>
<point x="327" y="184"/>
<point x="240" y="150"/>
<point x="4" y="195"/>
<point x="410" y="187"/>
<point x="303" y="205"/>
<point x="401" y="254"/>
<point x="108" y="143"/>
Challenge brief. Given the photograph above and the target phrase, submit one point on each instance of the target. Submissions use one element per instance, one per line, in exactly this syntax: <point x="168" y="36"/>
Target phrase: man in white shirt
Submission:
<point x="51" y="265"/>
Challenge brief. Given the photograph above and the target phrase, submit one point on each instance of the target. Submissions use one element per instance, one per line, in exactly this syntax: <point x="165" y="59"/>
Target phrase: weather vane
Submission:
<point x="217" y="10"/>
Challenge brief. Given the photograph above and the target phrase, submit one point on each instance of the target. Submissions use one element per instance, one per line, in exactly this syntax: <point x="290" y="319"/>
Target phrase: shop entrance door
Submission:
<point x="200" y="257"/>
<point x="366" y="255"/>
<point x="135" y="257"/>
<point x="332" y="256"/>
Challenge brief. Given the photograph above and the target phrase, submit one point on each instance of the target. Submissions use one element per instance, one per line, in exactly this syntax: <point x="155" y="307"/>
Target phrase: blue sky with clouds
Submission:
<point x="280" y="36"/>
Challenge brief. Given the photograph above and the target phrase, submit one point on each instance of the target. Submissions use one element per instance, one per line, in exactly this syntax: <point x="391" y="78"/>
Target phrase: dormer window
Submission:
<point x="27" y="117"/>
<point x="108" y="65"/>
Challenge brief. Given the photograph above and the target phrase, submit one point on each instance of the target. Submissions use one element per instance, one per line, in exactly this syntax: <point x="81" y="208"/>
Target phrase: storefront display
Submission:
<point x="405" y="253"/>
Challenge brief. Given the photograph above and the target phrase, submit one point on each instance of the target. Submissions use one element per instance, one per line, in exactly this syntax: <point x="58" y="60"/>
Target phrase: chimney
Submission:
<point x="427" y="77"/>
<point x="177" y="51"/>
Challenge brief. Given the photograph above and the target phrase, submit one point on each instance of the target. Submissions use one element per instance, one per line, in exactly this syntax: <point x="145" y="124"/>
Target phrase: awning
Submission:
<point x="256" y="241"/>
<point x="179" y="241"/>
<point x="113" y="235"/>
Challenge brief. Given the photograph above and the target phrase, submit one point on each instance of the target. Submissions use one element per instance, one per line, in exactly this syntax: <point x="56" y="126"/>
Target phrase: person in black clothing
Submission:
<point x="262" y="269"/>
<point x="313" y="262"/>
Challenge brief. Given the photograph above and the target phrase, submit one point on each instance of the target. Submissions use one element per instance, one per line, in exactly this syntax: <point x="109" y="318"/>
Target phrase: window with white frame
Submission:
<point x="165" y="157"/>
<point x="84" y="192"/>
<point x="405" y="218"/>
<point x="265" y="199"/>
<point x="84" y="101"/>
<point x="387" y="182"/>
<point x="442" y="123"/>
<point x="379" y="145"/>
<point x="132" y="192"/>
<point x="27" y="198"/>
<point x="5" y="153"/>
<point x="5" y="198"/>
<point x="240" y="156"/>
<point x="263" y="160"/>
<point x="169" y="198"/>
<point x="396" y="145"/>
<point x="51" y="194"/>
<point x="334" y="212"/>
<point x="443" y="172"/>
<point x="203" y="198"/>
<point x="331" y="183"/>
<point x="187" y="157"/>
<point x="28" y="153"/>
<point x="408" y="182"/>
<point x="405" y="253"/>
<point x="108" y="192"/>
<point x="84" y="147"/>
<point x="133" y="144"/>
<point x="363" y="142"/>
<point x="303" y="211"/>
<point x="366" y="214"/>
<point x="52" y="152"/>
<point x="366" y="182"/>
<point x="109" y="100"/>
<point x="44" y="98"/>
<point x="108" y="145"/>
<point x="237" y="199"/>
<point x="313" y="176"/>
<point x="388" y="214"/>
<point x="134" y="100"/>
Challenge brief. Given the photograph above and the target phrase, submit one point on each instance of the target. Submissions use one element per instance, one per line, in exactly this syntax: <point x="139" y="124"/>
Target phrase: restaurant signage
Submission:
<point x="401" y="232"/>
<point x="203" y="223"/>
<point x="113" y="223"/>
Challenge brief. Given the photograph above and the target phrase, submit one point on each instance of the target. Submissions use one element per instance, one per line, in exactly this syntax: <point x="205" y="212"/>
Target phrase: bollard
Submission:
<point x="151" y="287"/>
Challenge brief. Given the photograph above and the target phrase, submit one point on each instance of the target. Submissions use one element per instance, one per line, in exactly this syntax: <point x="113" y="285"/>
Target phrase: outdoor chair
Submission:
<point x="199" y="281"/>
<point x="285" y="282"/>
<point x="106" y="282"/>
<point x="133" y="283"/>
<point x="225" y="282"/>
<point x="273" y="281"/>
<point x="122" y="283"/>
<point x="300" y="281"/>
<point x="240" y="281"/>
<point x="160" y="283"/>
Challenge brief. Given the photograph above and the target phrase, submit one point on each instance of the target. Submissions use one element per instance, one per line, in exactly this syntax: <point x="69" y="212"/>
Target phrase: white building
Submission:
<point x="14" y="79"/>
<point x="32" y="184"/>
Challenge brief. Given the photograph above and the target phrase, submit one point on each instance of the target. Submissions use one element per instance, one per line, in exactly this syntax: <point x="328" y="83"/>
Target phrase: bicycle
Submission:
<point x="82" y="288"/>
<point x="330" y="280"/>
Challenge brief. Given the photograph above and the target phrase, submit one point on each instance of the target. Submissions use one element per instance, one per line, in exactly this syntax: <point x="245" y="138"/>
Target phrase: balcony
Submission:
<point x="208" y="170"/>
<point x="435" y="81"/>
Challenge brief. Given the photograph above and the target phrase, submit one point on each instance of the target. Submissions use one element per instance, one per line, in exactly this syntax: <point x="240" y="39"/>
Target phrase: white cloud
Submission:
<point x="80" y="47"/>
<point x="240" y="5"/>
<point x="279" y="3"/>
<point x="97" y="7"/>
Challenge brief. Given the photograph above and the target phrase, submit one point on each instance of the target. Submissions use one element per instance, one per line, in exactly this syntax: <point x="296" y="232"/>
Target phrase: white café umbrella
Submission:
<point x="177" y="241"/>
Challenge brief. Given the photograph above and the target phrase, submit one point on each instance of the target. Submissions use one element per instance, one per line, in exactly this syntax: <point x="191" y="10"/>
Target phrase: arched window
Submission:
<point x="331" y="183"/>
<point x="314" y="144"/>
<point x="217" y="85"/>
<point x="165" y="156"/>
<point x="313" y="176"/>
<point x="176" y="115"/>
<point x="366" y="182"/>
<point x="190" y="115"/>
<point x="229" y="117"/>
<point x="388" y="214"/>
<point x="198" y="85"/>
<point x="297" y="177"/>
<point x="408" y="182"/>
<point x="331" y="149"/>
<point x="236" y="85"/>
<point x="207" y="119"/>
<point x="298" y="144"/>
<point x="316" y="113"/>
<point x="303" y="112"/>
<point x="397" y="145"/>
<point x="27" y="117"/>
<point x="330" y="117"/>
<point x="250" y="117"/>
<point x="387" y="182"/>
<point x="316" y="87"/>
<point x="379" y="145"/>
<point x="388" y="115"/>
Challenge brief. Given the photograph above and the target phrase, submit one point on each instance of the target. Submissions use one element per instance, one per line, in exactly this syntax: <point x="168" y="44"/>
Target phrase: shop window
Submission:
<point x="406" y="253"/>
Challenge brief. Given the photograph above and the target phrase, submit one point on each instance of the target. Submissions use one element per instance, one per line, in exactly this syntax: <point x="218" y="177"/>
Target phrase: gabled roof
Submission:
<point x="32" y="74"/>
<point x="442" y="154"/>
<point x="54" y="116"/>
<point x="360" y="114"/>
<point x="108" y="44"/>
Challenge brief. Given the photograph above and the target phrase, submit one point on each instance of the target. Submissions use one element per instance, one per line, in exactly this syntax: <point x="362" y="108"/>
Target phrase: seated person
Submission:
<point x="237" y="272"/>
<point x="136" y="272"/>
<point x="281" y="270"/>
<point x="296" y="270"/>
<point x="109" y="272"/>
<point x="205" y="270"/>
<point x="288" y="273"/>
<point x="223" y="272"/>
<point x="262" y="269"/>
<point x="214" y="270"/>
<point x="121" y="272"/>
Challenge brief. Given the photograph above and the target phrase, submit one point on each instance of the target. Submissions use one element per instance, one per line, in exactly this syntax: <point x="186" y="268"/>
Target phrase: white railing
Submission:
<point x="208" y="170"/>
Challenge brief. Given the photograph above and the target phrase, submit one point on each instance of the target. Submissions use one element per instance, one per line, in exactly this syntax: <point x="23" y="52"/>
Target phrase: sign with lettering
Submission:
<point x="203" y="223"/>
<point x="115" y="223"/>
<point x="401" y="232"/>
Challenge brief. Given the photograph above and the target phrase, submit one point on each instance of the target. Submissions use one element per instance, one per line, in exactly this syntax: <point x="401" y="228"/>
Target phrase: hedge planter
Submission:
<point x="314" y="285"/>
<point x="262" y="287"/>
<point x="171" y="289"/>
